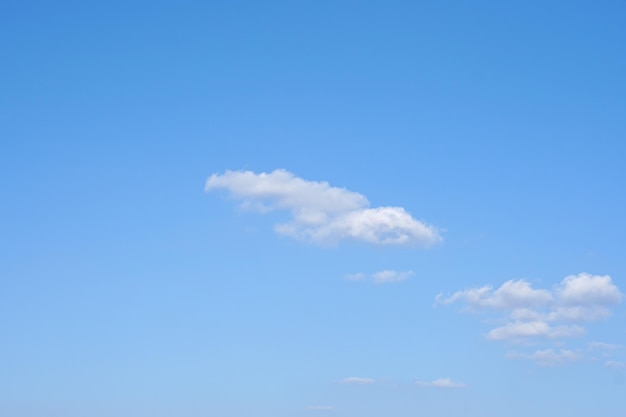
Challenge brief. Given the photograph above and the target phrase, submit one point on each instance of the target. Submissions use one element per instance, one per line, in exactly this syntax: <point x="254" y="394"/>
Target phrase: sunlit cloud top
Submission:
<point x="321" y="213"/>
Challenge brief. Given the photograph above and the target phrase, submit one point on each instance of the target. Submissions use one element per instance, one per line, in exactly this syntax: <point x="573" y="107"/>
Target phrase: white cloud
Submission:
<point x="586" y="289"/>
<point x="519" y="330"/>
<point x="603" y="351"/>
<point x="358" y="380"/>
<point x="572" y="314"/>
<point x="603" y="346"/>
<point x="388" y="276"/>
<point x="549" y="357"/>
<point x="578" y="314"/>
<point x="322" y="213"/>
<point x="441" y="383"/>
<point x="615" y="364"/>
<point x="359" y="276"/>
<point x="511" y="294"/>
<point x="282" y="189"/>
<point x="541" y="314"/>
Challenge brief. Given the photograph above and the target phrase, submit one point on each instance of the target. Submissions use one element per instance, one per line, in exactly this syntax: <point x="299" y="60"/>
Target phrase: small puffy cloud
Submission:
<point x="388" y="276"/>
<point x="322" y="213"/>
<point x="549" y="357"/>
<point x="358" y="380"/>
<point x="441" y="383"/>
<point x="587" y="289"/>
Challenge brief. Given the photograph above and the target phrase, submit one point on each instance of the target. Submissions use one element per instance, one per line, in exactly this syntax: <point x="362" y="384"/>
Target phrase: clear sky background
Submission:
<point x="439" y="229"/>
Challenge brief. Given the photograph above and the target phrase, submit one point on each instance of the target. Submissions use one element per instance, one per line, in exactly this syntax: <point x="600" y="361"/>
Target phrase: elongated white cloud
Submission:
<point x="441" y="383"/>
<point x="520" y="330"/>
<point x="540" y="314"/>
<point x="511" y="294"/>
<point x="570" y="314"/>
<point x="388" y="276"/>
<point x="554" y="357"/>
<point x="359" y="276"/>
<point x="549" y="357"/>
<point x="322" y="213"/>
<point x="358" y="380"/>
<point x="602" y="346"/>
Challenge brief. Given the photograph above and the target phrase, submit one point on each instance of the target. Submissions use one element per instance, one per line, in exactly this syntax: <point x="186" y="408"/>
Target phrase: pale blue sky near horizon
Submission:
<point x="127" y="289"/>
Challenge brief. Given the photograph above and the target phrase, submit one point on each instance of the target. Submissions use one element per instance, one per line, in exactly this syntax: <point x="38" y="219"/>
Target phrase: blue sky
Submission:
<point x="325" y="209"/>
